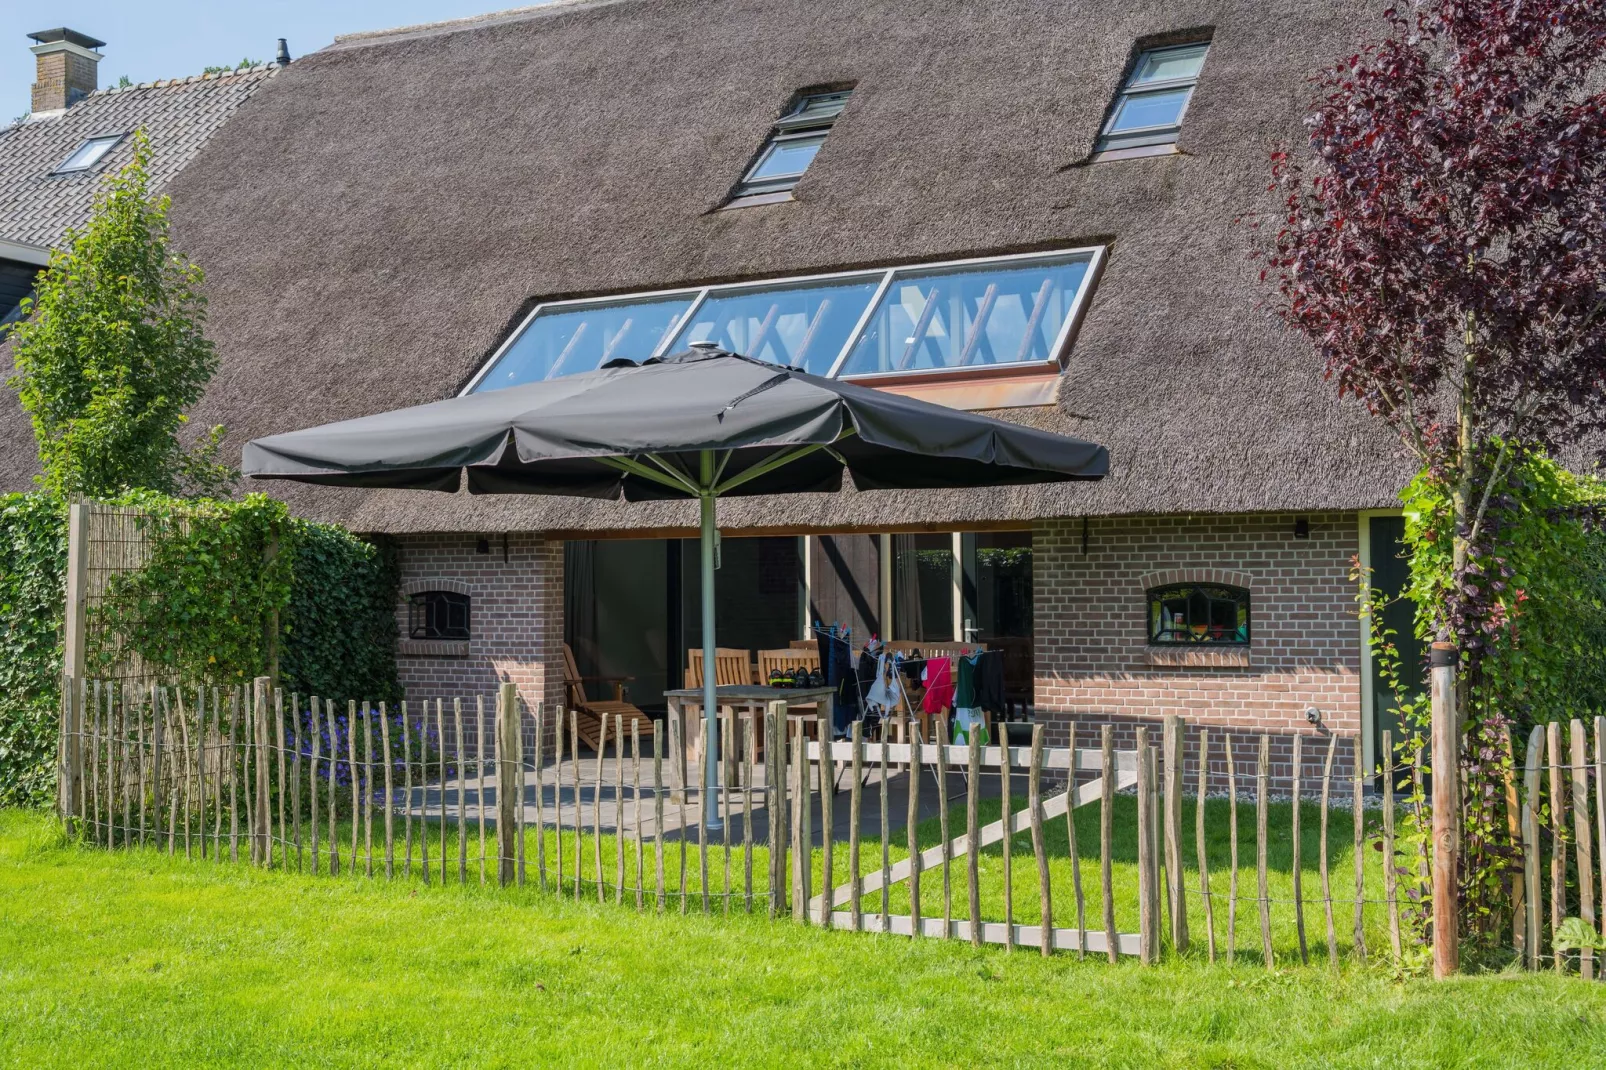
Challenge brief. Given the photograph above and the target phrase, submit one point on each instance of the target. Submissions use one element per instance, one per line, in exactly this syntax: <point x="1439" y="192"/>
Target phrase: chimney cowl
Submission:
<point x="283" y="56"/>
<point x="62" y="33"/>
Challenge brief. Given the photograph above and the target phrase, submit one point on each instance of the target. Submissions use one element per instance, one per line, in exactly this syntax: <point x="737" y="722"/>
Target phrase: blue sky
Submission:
<point x="149" y="39"/>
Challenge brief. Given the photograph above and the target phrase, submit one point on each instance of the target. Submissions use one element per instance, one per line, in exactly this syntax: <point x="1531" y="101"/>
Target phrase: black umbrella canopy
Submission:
<point x="648" y="431"/>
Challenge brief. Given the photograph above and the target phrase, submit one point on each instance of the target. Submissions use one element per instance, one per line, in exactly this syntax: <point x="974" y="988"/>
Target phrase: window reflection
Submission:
<point x="969" y="318"/>
<point x="803" y="326"/>
<point x="568" y="339"/>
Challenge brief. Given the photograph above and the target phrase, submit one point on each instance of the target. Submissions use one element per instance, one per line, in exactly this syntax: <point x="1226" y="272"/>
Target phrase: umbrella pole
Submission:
<point x="710" y="680"/>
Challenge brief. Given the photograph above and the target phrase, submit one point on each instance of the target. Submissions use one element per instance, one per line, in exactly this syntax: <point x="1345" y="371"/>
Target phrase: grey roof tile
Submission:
<point x="178" y="114"/>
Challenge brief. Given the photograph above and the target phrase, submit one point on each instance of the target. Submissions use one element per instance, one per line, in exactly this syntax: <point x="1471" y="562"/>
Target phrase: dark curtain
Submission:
<point x="580" y="604"/>
<point x="906" y="617"/>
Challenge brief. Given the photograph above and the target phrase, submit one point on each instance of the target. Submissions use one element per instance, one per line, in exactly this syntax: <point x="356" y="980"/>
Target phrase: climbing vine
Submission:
<point x="205" y="607"/>
<point x="1529" y="618"/>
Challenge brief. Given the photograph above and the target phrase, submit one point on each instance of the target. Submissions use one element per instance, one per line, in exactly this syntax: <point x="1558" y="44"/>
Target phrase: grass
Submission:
<point x="109" y="958"/>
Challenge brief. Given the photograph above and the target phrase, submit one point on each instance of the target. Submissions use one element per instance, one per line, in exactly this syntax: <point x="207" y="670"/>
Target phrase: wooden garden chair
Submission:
<point x="790" y="658"/>
<point x="589" y="712"/>
<point x="732" y="667"/>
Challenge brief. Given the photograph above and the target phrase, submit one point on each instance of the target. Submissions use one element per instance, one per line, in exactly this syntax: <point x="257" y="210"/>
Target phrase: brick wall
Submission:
<point x="515" y="625"/>
<point x="60" y="79"/>
<point x="1094" y="665"/>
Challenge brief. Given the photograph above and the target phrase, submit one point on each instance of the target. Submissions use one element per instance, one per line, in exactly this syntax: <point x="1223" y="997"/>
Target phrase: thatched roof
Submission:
<point x="378" y="220"/>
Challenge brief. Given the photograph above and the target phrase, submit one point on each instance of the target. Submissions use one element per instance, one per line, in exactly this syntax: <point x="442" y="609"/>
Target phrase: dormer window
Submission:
<point x="87" y="155"/>
<point x="1148" y="111"/>
<point x="790" y="148"/>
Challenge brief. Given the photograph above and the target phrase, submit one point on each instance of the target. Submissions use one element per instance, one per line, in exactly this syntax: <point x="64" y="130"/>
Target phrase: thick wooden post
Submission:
<point x="1446" y="731"/>
<point x="507" y="777"/>
<point x="73" y="660"/>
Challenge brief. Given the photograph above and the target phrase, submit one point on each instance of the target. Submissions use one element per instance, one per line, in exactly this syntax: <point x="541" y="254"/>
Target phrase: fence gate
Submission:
<point x="1113" y="771"/>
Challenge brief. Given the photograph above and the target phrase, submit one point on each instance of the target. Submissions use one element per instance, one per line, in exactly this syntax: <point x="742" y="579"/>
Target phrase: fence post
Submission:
<point x="507" y="773"/>
<point x="71" y="755"/>
<point x="1446" y="737"/>
<point x="73" y="648"/>
<point x="1148" y="923"/>
<point x="264" y="820"/>
<point x="1176" y="734"/>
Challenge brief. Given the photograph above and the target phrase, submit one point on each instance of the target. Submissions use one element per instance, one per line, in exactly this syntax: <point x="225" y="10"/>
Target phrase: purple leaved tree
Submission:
<point x="1443" y="243"/>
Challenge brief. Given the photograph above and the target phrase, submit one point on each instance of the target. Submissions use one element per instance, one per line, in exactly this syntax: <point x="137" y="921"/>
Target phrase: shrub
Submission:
<point x="33" y="555"/>
<point x="340" y="625"/>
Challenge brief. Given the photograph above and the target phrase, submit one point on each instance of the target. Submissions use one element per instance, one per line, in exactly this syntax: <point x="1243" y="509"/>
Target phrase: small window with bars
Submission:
<point x="438" y="615"/>
<point x="1198" y="614"/>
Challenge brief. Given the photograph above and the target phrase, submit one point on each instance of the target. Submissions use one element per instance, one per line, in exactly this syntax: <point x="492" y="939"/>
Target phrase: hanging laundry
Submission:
<point x="836" y="661"/>
<point x="965" y="681"/>
<point x="886" y="691"/>
<point x="968" y="720"/>
<point x="988" y="679"/>
<point x="939" y="680"/>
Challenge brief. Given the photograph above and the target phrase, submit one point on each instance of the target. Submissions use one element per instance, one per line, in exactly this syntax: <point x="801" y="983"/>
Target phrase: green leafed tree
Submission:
<point x="112" y="352"/>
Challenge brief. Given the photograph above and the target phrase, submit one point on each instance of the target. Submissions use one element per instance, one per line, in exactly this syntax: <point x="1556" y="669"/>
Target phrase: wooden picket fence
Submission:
<point x="327" y="787"/>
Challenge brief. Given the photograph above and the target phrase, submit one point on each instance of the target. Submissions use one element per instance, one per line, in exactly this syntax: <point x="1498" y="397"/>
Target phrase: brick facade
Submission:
<point x="515" y="618"/>
<point x="1093" y="662"/>
<point x="1094" y="665"/>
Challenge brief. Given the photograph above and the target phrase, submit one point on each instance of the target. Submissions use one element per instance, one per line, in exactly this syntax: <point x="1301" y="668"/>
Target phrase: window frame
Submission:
<point x="1242" y="595"/>
<point x="111" y="141"/>
<point x="418" y="607"/>
<point x="792" y="126"/>
<point x="1094" y="255"/>
<point x="1156" y="134"/>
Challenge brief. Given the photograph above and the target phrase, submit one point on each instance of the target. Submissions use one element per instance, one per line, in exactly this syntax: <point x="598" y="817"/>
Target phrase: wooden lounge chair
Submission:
<point x="589" y="712"/>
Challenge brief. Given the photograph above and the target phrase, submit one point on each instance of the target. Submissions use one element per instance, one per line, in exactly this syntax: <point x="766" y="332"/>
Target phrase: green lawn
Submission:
<point x="113" y="959"/>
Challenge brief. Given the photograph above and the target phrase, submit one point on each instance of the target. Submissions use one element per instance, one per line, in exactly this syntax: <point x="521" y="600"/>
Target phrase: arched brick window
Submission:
<point x="438" y="615"/>
<point x="1198" y="614"/>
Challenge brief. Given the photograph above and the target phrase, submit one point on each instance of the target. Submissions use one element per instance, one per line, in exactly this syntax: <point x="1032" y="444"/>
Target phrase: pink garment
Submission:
<point x="939" y="680"/>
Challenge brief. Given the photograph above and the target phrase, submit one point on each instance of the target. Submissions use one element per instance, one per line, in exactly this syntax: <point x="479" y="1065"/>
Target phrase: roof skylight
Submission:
<point x="87" y="155"/>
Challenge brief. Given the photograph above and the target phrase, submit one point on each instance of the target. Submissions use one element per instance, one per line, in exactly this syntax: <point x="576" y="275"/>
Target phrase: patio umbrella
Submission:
<point x="701" y="425"/>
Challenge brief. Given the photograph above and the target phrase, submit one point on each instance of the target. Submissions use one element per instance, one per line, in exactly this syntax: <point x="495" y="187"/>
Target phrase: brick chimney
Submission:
<point x="67" y="68"/>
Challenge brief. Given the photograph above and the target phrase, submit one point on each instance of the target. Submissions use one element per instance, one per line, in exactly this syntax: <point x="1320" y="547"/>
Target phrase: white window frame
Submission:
<point x="111" y="141"/>
<point x="1162" y="133"/>
<point x="1094" y="255"/>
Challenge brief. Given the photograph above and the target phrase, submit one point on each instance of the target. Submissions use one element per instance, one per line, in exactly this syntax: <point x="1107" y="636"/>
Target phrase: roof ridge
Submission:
<point x="363" y="38"/>
<point x="162" y="83"/>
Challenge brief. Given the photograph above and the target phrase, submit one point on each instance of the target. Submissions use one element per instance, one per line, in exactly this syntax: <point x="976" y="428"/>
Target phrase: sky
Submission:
<point x="150" y="39"/>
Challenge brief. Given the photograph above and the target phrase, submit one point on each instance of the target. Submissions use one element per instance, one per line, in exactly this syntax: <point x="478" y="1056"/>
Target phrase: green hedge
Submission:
<point x="33" y="554"/>
<point x="198" y="611"/>
<point x="340" y="626"/>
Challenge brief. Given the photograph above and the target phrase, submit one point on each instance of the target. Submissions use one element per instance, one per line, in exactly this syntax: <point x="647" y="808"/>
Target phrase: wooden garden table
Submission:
<point x="687" y="705"/>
